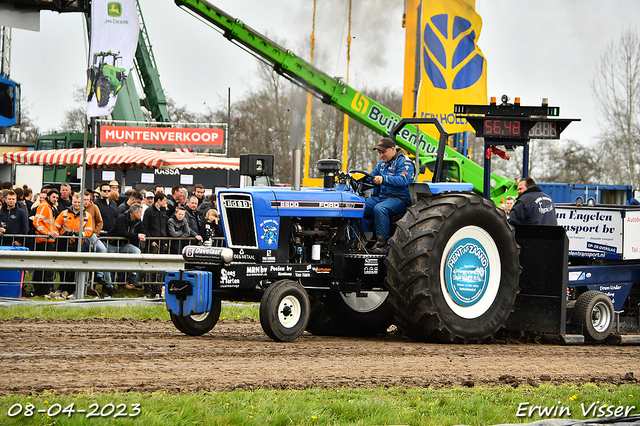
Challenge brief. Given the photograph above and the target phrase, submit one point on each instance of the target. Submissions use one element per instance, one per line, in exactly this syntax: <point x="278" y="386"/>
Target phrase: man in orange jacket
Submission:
<point x="68" y="224"/>
<point x="95" y="245"/>
<point x="44" y="223"/>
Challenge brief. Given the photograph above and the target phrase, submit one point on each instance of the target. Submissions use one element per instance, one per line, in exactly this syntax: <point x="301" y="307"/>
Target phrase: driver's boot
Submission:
<point x="381" y="245"/>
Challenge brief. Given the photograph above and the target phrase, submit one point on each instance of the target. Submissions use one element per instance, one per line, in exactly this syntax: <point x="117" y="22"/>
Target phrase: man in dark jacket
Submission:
<point x="532" y="207"/>
<point x="135" y="197"/>
<point x="128" y="226"/>
<point x="195" y="223"/>
<point x="154" y="224"/>
<point x="21" y="201"/>
<point x="108" y="208"/>
<point x="66" y="194"/>
<point x="176" y="198"/>
<point x="14" y="221"/>
<point x="198" y="191"/>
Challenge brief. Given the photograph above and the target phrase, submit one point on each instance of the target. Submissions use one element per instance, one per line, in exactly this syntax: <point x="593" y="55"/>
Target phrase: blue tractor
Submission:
<point x="451" y="272"/>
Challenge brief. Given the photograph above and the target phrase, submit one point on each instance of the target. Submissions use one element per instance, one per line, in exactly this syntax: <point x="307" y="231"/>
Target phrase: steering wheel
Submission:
<point x="364" y="183"/>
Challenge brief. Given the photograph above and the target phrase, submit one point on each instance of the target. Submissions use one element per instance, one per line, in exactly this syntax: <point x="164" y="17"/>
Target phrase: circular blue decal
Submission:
<point x="467" y="271"/>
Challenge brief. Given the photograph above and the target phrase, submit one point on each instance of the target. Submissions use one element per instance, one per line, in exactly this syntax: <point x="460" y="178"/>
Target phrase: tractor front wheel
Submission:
<point x="284" y="310"/>
<point x="197" y="325"/>
<point x="89" y="92"/>
<point x="91" y="76"/>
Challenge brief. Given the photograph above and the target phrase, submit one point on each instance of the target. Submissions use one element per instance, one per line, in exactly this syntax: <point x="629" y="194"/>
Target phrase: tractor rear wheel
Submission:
<point x="452" y="269"/>
<point x="197" y="325"/>
<point x="103" y="89"/>
<point x="345" y="314"/>
<point x="594" y="310"/>
<point x="284" y="310"/>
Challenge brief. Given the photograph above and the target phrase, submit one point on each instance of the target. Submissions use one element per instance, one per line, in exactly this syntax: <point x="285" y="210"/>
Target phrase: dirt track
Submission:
<point x="125" y="355"/>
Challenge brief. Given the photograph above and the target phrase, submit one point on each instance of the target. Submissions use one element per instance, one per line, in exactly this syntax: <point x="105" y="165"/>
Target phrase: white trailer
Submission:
<point x="604" y="259"/>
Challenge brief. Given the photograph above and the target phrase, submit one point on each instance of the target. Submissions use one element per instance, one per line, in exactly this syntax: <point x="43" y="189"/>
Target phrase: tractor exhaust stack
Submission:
<point x="296" y="169"/>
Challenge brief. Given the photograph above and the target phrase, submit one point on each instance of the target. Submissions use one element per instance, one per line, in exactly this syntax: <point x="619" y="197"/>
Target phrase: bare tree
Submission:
<point x="270" y="119"/>
<point x="75" y="118"/>
<point x="616" y="87"/>
<point x="565" y="161"/>
<point x="181" y="114"/>
<point x="260" y="122"/>
<point x="553" y="161"/>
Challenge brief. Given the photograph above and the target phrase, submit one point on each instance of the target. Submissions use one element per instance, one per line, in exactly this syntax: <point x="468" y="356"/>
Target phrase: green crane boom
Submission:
<point x="335" y="92"/>
<point x="155" y="100"/>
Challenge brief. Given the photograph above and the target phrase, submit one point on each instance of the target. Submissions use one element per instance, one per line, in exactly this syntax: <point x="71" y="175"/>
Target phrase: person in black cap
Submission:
<point x="393" y="174"/>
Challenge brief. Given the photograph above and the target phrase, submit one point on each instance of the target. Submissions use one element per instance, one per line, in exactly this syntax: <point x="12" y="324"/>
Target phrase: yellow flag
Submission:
<point x="453" y="70"/>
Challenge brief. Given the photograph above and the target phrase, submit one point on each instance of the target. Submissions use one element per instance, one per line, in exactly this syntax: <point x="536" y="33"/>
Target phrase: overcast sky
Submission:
<point x="534" y="48"/>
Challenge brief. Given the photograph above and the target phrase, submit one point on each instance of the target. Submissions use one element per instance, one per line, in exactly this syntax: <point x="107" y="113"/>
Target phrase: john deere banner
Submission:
<point x="114" y="38"/>
<point x="452" y="67"/>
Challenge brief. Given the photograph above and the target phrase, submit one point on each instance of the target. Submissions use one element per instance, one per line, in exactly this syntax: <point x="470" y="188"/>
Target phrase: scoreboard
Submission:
<point x="513" y="122"/>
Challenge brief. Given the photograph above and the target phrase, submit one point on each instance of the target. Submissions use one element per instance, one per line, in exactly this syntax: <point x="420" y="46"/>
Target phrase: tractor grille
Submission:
<point x="237" y="210"/>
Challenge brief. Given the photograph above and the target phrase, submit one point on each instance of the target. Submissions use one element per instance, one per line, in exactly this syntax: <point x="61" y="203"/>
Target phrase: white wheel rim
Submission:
<point x="600" y="317"/>
<point x="200" y="317"/>
<point x="469" y="291"/>
<point x="365" y="304"/>
<point x="289" y="311"/>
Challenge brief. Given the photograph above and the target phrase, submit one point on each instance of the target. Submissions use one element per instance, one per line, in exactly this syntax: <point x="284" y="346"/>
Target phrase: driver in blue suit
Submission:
<point x="393" y="174"/>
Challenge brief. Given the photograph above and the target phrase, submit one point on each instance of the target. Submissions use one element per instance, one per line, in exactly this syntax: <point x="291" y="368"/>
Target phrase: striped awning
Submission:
<point x="124" y="158"/>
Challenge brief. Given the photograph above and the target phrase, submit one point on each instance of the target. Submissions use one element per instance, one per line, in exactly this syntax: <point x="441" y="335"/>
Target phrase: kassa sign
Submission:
<point x="170" y="137"/>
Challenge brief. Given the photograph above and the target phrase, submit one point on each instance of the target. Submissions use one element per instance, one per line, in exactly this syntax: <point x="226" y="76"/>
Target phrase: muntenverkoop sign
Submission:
<point x="162" y="137"/>
<point x="601" y="232"/>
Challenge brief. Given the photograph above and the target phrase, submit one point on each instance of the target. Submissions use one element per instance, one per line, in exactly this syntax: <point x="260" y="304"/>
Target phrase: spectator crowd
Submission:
<point x="145" y="221"/>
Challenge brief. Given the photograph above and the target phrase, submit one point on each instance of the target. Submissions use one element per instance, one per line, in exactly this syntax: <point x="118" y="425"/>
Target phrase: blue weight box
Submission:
<point x="194" y="292"/>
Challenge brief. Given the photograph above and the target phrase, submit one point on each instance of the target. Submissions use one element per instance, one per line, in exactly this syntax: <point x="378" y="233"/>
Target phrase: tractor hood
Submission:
<point x="309" y="202"/>
<point x="251" y="216"/>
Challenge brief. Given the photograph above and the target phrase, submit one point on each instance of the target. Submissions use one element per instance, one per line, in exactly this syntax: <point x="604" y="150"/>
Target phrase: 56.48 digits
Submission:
<point x="509" y="128"/>
<point x="94" y="410"/>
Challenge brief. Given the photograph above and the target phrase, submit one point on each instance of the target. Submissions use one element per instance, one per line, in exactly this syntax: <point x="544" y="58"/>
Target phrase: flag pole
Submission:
<point x="87" y="126"/>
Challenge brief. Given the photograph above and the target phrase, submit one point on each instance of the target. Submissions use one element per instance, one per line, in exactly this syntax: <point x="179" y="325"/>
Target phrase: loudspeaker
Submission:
<point x="256" y="164"/>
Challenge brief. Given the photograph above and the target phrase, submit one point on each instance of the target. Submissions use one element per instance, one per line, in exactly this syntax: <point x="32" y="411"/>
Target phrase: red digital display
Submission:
<point x="505" y="128"/>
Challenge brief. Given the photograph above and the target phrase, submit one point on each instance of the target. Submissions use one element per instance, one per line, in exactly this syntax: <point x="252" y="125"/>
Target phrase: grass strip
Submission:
<point x="137" y="312"/>
<point x="415" y="406"/>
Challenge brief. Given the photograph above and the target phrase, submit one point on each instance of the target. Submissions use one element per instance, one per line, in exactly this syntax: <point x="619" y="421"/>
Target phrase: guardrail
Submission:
<point x="88" y="262"/>
<point x="85" y="262"/>
<point x="173" y="245"/>
<point x="107" y="256"/>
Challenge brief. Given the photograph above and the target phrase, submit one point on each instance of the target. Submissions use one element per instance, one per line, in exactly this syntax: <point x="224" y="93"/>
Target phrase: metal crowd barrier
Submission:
<point x="153" y="260"/>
